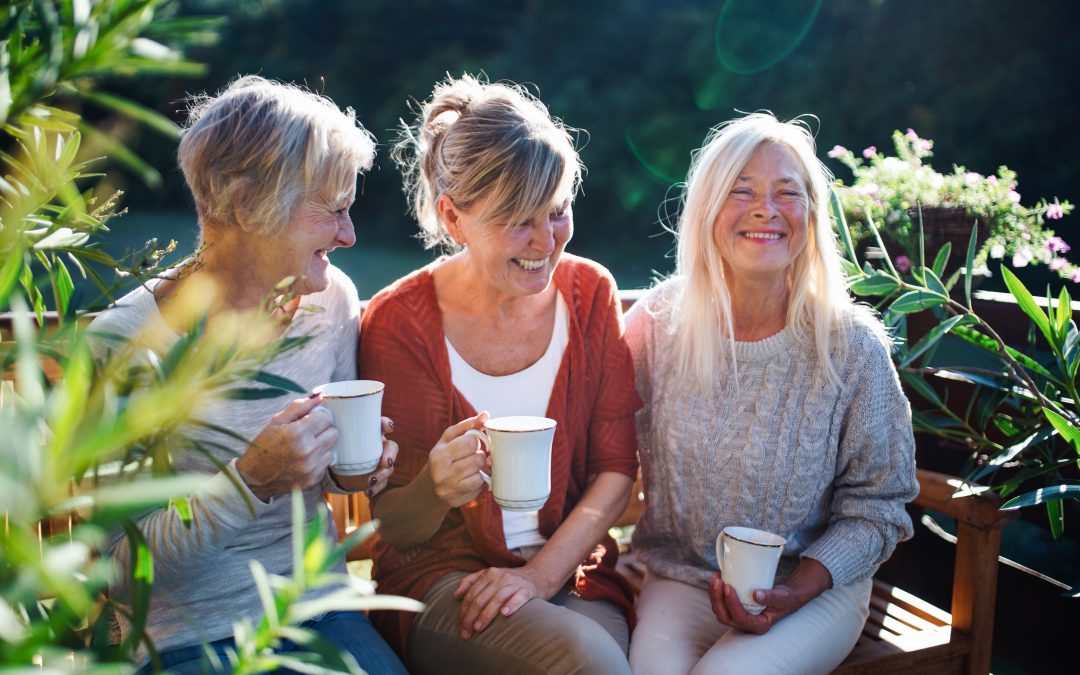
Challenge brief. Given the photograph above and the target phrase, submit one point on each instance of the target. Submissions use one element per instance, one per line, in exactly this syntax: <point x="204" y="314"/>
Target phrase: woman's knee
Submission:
<point x="589" y="648"/>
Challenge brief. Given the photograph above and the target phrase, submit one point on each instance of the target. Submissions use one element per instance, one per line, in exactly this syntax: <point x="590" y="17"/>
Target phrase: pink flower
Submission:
<point x="836" y="151"/>
<point x="971" y="178"/>
<point x="1075" y="276"/>
<point x="869" y="152"/>
<point x="903" y="264"/>
<point x="923" y="145"/>
<point x="1055" y="212"/>
<point x="1022" y="257"/>
<point x="1057" y="245"/>
<point x="1056" y="264"/>
<point x="1013" y="196"/>
<point x="911" y="135"/>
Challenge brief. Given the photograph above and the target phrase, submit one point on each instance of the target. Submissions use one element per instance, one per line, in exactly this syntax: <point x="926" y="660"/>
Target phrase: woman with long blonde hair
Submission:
<point x="770" y="403"/>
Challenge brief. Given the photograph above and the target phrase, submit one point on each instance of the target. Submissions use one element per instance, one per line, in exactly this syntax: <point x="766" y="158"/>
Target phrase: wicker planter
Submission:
<point x="945" y="224"/>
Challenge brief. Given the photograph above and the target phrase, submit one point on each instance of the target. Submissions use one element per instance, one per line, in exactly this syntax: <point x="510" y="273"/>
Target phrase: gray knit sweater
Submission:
<point x="202" y="582"/>
<point x="827" y="467"/>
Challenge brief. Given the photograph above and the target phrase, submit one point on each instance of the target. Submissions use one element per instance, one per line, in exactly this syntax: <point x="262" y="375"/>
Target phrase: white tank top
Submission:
<point x="525" y="392"/>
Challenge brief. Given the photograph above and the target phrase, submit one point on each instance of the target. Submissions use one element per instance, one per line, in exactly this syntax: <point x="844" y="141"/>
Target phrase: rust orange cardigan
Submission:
<point x="593" y="399"/>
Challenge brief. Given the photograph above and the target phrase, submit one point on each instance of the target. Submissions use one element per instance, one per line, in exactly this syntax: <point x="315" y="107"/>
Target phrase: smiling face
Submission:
<point x="320" y="223"/>
<point x="762" y="226"/>
<point x="516" y="259"/>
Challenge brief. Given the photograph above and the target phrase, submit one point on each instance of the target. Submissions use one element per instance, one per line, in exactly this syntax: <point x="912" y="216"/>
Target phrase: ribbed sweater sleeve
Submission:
<point x="875" y="468"/>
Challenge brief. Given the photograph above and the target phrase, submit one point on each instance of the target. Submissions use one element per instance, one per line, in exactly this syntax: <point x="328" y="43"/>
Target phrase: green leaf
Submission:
<point x="141" y="580"/>
<point x="876" y="284"/>
<point x="970" y="261"/>
<point x="921" y="262"/>
<point x="921" y="387"/>
<point x="841" y="226"/>
<point x="182" y="506"/>
<point x="850" y="268"/>
<point x="1027" y="303"/>
<point x="63" y="237"/>
<point x="252" y="393"/>
<point x="120" y="152"/>
<point x="1056" y="517"/>
<point x="1033" y="365"/>
<point x="140" y="494"/>
<point x="933" y="282"/>
<point x="10" y="273"/>
<point x="1006" y="425"/>
<point x="942" y="259"/>
<point x="135" y="111"/>
<point x="917" y="301"/>
<point x="1063" y="314"/>
<point x="277" y="381"/>
<point x="1064" y="427"/>
<point x="933" y="336"/>
<point x="64" y="287"/>
<point x="1042" y="496"/>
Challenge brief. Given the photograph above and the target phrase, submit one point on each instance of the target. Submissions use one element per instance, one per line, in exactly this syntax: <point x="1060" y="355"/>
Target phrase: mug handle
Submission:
<point x="485" y="440"/>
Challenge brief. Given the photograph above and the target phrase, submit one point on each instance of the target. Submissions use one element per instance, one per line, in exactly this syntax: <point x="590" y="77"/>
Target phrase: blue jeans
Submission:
<point x="351" y="631"/>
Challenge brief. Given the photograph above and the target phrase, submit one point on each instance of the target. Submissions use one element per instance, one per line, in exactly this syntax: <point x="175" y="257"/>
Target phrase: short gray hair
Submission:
<point x="253" y="151"/>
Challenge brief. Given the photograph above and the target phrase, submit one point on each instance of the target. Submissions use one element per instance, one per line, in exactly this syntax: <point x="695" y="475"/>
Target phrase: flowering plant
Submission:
<point x="892" y="189"/>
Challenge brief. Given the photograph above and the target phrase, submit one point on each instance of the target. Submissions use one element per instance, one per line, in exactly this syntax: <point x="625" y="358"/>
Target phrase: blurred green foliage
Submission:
<point x="990" y="82"/>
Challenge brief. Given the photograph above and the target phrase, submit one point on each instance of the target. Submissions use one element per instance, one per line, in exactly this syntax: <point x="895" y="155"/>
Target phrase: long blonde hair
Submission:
<point x="700" y="317"/>
<point x="473" y="139"/>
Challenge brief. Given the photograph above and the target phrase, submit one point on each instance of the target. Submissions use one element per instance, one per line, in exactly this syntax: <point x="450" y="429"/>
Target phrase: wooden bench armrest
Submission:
<point x="968" y="503"/>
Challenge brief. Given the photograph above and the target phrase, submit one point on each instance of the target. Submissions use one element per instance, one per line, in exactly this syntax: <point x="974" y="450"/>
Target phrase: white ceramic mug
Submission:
<point x="355" y="406"/>
<point x="520" y="449"/>
<point x="748" y="560"/>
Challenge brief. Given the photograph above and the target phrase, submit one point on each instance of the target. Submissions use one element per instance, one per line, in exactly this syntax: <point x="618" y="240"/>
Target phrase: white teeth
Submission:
<point x="530" y="265"/>
<point x="761" y="235"/>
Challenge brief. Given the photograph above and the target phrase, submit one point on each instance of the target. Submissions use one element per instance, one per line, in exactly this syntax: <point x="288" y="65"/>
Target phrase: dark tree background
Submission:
<point x="991" y="81"/>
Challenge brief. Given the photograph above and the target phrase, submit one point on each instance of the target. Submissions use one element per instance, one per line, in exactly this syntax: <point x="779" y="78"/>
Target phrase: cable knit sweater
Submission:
<point x="827" y="467"/>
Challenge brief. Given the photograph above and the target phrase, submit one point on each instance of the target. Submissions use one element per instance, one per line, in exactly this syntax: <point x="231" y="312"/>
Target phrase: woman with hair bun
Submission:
<point x="770" y="403"/>
<point x="508" y="324"/>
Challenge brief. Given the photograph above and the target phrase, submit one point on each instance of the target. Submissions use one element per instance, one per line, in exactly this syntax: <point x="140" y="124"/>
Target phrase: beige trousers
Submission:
<point x="677" y="633"/>
<point x="563" y="635"/>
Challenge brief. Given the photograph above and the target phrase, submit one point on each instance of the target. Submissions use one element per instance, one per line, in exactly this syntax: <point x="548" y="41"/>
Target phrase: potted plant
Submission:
<point x="1021" y="421"/>
<point x="899" y="191"/>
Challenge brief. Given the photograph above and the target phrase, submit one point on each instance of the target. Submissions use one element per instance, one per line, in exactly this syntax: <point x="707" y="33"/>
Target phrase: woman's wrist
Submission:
<point x="808" y="580"/>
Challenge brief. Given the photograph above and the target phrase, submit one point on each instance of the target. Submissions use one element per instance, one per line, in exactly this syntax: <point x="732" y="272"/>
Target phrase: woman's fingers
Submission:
<point x="491" y="593"/>
<point x="456" y="430"/>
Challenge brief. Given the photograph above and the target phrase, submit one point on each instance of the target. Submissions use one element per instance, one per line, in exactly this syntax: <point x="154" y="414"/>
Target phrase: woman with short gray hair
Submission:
<point x="272" y="168"/>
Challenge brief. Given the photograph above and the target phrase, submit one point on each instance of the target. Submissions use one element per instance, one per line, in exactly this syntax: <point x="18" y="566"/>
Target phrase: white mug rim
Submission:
<point x="742" y="534"/>
<point x="372" y="387"/>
